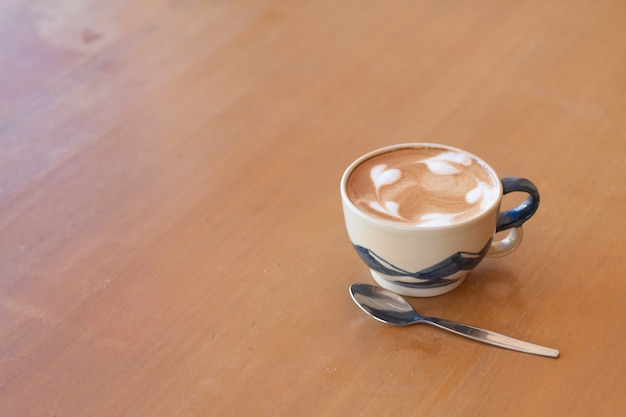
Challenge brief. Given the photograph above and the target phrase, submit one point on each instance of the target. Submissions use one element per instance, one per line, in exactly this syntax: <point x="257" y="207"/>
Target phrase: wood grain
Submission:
<point x="171" y="236"/>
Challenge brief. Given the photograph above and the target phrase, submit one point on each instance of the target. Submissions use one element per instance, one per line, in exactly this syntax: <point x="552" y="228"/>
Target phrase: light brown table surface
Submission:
<point x="171" y="235"/>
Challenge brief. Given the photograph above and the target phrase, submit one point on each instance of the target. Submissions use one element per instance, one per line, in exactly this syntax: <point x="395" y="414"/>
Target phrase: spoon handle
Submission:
<point x="491" y="338"/>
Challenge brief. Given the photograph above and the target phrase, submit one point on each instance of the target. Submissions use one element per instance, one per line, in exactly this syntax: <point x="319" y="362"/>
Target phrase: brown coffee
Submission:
<point x="425" y="186"/>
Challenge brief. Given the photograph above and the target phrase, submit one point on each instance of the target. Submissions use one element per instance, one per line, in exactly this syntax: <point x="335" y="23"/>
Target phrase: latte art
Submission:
<point x="422" y="186"/>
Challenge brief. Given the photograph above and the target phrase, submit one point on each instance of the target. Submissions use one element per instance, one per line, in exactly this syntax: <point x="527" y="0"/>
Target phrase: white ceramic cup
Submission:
<point x="423" y="261"/>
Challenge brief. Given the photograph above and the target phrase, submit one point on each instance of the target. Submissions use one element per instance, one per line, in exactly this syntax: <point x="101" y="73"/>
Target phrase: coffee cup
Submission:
<point x="422" y="215"/>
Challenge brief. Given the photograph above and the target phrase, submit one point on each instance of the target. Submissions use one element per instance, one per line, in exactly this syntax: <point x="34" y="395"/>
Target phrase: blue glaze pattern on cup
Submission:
<point x="431" y="277"/>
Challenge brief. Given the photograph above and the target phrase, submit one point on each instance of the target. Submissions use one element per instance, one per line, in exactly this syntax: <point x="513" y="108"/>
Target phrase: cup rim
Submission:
<point x="408" y="226"/>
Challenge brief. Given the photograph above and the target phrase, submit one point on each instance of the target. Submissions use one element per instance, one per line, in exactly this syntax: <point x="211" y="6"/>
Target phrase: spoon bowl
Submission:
<point x="391" y="308"/>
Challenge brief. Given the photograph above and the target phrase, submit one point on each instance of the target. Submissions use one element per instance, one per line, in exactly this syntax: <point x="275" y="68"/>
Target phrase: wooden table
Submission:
<point x="171" y="235"/>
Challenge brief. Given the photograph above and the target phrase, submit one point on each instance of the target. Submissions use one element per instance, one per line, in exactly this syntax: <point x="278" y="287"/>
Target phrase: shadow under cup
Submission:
<point x="425" y="259"/>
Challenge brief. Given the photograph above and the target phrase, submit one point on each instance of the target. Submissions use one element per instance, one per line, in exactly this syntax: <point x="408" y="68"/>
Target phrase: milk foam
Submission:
<point x="422" y="186"/>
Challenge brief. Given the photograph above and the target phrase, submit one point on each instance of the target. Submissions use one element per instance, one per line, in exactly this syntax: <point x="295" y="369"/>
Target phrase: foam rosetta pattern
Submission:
<point x="426" y="187"/>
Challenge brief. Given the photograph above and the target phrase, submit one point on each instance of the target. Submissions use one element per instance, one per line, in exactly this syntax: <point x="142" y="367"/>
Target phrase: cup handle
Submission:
<point x="515" y="217"/>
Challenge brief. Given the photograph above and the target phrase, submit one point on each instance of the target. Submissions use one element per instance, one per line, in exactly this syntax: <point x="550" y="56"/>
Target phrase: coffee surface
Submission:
<point x="422" y="186"/>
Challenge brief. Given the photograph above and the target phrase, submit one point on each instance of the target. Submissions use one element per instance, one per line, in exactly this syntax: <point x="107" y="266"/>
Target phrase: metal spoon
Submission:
<point x="391" y="308"/>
